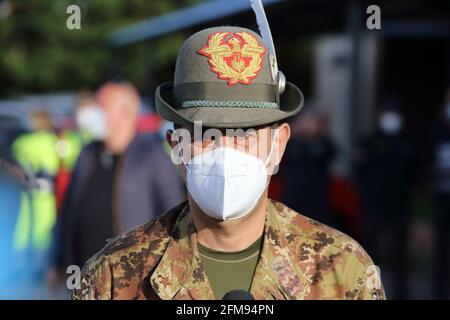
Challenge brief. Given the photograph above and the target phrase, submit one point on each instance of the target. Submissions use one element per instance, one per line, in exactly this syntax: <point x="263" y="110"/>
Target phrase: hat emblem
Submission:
<point x="237" y="59"/>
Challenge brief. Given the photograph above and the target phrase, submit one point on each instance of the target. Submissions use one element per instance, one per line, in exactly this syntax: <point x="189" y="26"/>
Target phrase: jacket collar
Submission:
<point x="276" y="275"/>
<point x="180" y="275"/>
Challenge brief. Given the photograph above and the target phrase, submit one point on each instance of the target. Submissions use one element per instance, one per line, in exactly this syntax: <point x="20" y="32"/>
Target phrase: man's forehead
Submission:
<point x="204" y="128"/>
<point x="212" y="131"/>
<point x="207" y="133"/>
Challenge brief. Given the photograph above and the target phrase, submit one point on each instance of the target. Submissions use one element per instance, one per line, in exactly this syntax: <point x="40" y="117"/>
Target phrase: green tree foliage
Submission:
<point x="38" y="53"/>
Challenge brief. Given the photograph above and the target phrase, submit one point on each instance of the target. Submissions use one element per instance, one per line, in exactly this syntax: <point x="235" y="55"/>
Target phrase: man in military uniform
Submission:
<point x="229" y="235"/>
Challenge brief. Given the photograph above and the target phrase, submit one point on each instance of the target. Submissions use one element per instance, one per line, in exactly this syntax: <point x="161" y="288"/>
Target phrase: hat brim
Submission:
<point x="291" y="102"/>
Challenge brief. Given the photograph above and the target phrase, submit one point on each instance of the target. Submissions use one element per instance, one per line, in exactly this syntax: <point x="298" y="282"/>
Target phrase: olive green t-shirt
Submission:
<point x="228" y="271"/>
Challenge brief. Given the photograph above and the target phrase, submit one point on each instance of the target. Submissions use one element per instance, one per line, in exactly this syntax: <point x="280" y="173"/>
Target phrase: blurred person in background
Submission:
<point x="439" y="164"/>
<point x="11" y="187"/>
<point x="120" y="180"/>
<point x="72" y="137"/>
<point x="385" y="164"/>
<point x="36" y="153"/>
<point x="305" y="170"/>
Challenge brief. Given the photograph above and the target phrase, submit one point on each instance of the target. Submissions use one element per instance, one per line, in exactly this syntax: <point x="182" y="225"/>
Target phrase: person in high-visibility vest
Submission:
<point x="36" y="153"/>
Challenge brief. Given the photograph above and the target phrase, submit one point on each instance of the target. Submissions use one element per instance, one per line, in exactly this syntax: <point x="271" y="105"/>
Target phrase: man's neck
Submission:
<point x="230" y="235"/>
<point x="118" y="143"/>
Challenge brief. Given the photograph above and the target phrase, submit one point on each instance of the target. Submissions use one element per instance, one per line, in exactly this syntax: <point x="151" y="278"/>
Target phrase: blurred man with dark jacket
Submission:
<point x="119" y="181"/>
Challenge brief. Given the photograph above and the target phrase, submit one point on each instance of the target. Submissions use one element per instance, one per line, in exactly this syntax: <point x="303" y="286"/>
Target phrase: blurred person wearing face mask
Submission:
<point x="306" y="167"/>
<point x="90" y="118"/>
<point x="73" y="136"/>
<point x="120" y="180"/>
<point x="386" y="167"/>
<point x="438" y="165"/>
<point x="87" y="125"/>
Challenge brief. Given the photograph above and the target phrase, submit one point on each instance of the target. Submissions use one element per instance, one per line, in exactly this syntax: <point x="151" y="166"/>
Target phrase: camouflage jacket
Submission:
<point x="300" y="259"/>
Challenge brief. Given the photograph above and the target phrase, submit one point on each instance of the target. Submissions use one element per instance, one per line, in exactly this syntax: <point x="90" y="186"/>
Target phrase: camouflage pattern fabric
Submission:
<point x="300" y="259"/>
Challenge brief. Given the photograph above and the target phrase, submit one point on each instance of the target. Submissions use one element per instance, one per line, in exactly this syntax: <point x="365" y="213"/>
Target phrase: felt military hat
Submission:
<point x="223" y="79"/>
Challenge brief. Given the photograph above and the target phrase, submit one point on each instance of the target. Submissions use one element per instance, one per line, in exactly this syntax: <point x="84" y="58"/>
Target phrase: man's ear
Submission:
<point x="282" y="137"/>
<point x="170" y="142"/>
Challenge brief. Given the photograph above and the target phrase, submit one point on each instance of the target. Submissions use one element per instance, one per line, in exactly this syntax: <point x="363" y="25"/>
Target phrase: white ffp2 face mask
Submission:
<point x="92" y="120"/>
<point x="226" y="183"/>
